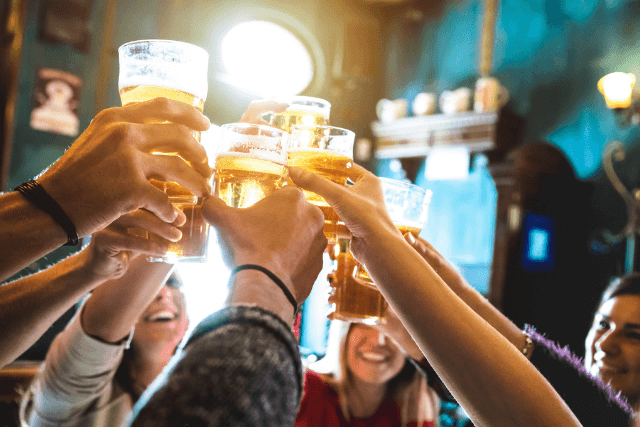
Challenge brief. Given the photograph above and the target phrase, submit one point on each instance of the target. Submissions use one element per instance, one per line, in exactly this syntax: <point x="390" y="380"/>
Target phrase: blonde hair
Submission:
<point x="408" y="389"/>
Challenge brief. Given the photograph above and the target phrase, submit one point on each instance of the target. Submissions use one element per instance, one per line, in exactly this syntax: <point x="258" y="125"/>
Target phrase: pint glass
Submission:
<point x="175" y="70"/>
<point x="328" y="151"/>
<point x="356" y="297"/>
<point x="251" y="163"/>
<point x="302" y="110"/>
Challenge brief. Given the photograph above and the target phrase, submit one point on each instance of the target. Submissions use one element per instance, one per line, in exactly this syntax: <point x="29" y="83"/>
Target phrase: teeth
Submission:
<point x="373" y="357"/>
<point x="162" y="315"/>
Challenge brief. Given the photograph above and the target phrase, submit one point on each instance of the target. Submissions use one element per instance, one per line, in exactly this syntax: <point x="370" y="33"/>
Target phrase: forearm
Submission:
<point x="494" y="317"/>
<point x="30" y="305"/>
<point x="115" y="306"/>
<point x="469" y="355"/>
<point x="241" y="367"/>
<point x="27" y="234"/>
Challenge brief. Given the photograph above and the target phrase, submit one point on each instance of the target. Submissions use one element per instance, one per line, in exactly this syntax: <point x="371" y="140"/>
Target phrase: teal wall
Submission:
<point x="550" y="56"/>
<point x="33" y="150"/>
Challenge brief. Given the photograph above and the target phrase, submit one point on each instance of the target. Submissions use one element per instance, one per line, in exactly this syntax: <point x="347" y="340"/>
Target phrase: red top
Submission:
<point x="321" y="407"/>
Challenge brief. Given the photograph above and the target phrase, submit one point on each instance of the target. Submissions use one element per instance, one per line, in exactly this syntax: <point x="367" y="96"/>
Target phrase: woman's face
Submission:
<point x="613" y="345"/>
<point x="372" y="358"/>
<point x="163" y="323"/>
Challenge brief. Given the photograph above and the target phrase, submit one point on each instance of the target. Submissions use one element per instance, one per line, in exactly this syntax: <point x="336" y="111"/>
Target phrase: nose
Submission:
<point x="165" y="295"/>
<point x="608" y="343"/>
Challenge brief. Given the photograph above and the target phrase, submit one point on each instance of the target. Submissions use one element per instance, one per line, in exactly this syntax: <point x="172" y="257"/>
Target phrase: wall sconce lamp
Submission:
<point x="617" y="89"/>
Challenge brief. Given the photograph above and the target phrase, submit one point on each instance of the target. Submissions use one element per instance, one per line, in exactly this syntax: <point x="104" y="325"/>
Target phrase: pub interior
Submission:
<point x="534" y="197"/>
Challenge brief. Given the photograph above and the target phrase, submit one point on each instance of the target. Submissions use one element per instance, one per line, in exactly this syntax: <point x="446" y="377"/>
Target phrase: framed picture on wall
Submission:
<point x="55" y="102"/>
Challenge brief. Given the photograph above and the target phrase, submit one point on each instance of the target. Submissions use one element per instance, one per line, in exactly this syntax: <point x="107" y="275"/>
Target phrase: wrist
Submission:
<point x="255" y="288"/>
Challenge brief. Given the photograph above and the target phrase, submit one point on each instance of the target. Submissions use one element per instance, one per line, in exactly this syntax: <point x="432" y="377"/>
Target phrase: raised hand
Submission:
<point x="257" y="109"/>
<point x="281" y="232"/>
<point x="112" y="249"/>
<point x="106" y="172"/>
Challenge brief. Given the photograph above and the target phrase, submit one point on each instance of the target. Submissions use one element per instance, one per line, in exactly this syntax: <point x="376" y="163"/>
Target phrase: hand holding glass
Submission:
<point x="251" y="163"/>
<point x="175" y="70"/>
<point x="356" y="297"/>
<point x="328" y="151"/>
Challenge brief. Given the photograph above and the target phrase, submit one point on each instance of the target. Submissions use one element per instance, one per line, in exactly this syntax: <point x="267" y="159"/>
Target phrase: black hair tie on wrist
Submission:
<point x="276" y="279"/>
<point x="35" y="194"/>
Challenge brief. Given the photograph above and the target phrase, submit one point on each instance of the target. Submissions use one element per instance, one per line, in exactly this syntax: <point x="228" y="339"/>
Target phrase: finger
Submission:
<point x="168" y="138"/>
<point x="114" y="241"/>
<point x="215" y="211"/>
<point x="356" y="172"/>
<point x="147" y="221"/>
<point x="333" y="193"/>
<point x="157" y="202"/>
<point x="174" y="169"/>
<point x="161" y="109"/>
<point x="257" y="109"/>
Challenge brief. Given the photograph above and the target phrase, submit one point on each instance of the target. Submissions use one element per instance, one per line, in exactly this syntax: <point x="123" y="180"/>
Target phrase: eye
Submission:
<point x="633" y="335"/>
<point x="603" y="324"/>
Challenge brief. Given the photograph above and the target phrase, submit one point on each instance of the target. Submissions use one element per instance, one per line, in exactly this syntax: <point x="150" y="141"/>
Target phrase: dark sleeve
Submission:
<point x="593" y="402"/>
<point x="240" y="367"/>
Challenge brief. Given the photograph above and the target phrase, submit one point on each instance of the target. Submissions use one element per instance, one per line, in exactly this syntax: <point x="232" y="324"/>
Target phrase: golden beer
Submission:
<point x="195" y="231"/>
<point x="288" y="118"/>
<point x="355" y="301"/>
<point x="332" y="166"/>
<point x="241" y="179"/>
<point x="145" y="93"/>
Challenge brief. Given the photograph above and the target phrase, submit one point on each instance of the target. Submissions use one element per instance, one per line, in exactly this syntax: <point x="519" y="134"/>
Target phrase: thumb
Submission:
<point x="215" y="211"/>
<point x="333" y="193"/>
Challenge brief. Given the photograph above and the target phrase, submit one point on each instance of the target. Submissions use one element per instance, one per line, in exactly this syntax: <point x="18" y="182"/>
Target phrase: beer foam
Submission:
<point x="319" y="150"/>
<point x="271" y="156"/>
<point x="164" y="63"/>
<point x="309" y="109"/>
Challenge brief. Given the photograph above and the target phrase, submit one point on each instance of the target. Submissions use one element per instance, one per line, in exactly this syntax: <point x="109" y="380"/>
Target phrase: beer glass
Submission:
<point x="302" y="110"/>
<point x="328" y="151"/>
<point x="356" y="297"/>
<point x="178" y="71"/>
<point x="251" y="163"/>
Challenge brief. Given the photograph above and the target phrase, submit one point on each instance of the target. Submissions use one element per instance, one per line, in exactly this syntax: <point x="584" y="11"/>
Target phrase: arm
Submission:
<point x="468" y="294"/>
<point x="490" y="378"/>
<point x="244" y="359"/>
<point x="30" y="305"/>
<point x="104" y="175"/>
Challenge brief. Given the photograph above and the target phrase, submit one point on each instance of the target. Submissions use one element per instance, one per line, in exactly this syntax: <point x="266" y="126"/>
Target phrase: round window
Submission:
<point x="267" y="59"/>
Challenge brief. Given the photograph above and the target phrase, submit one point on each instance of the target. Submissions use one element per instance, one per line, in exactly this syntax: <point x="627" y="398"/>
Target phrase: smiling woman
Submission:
<point x="120" y="340"/>
<point x="369" y="382"/>
<point x="613" y="343"/>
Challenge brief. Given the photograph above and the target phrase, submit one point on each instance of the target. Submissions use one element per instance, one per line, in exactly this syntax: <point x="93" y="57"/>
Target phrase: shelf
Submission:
<point x="415" y="136"/>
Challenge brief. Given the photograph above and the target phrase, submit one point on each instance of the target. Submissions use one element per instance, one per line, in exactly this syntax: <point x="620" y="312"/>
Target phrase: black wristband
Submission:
<point x="35" y="194"/>
<point x="276" y="279"/>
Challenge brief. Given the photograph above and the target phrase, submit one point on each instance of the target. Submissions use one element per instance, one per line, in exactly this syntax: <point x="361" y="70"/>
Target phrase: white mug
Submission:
<point x="424" y="104"/>
<point x="490" y="95"/>
<point x="457" y="101"/>
<point x="388" y="110"/>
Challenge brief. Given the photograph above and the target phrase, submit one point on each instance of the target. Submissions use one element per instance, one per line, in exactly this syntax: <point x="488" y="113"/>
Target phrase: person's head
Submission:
<point x="356" y="352"/>
<point x="613" y="343"/>
<point x="370" y="357"/>
<point x="156" y="335"/>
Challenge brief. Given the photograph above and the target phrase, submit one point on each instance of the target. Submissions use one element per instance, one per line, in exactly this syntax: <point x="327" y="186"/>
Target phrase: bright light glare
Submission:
<point x="205" y="284"/>
<point x="617" y="89"/>
<point x="266" y="59"/>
